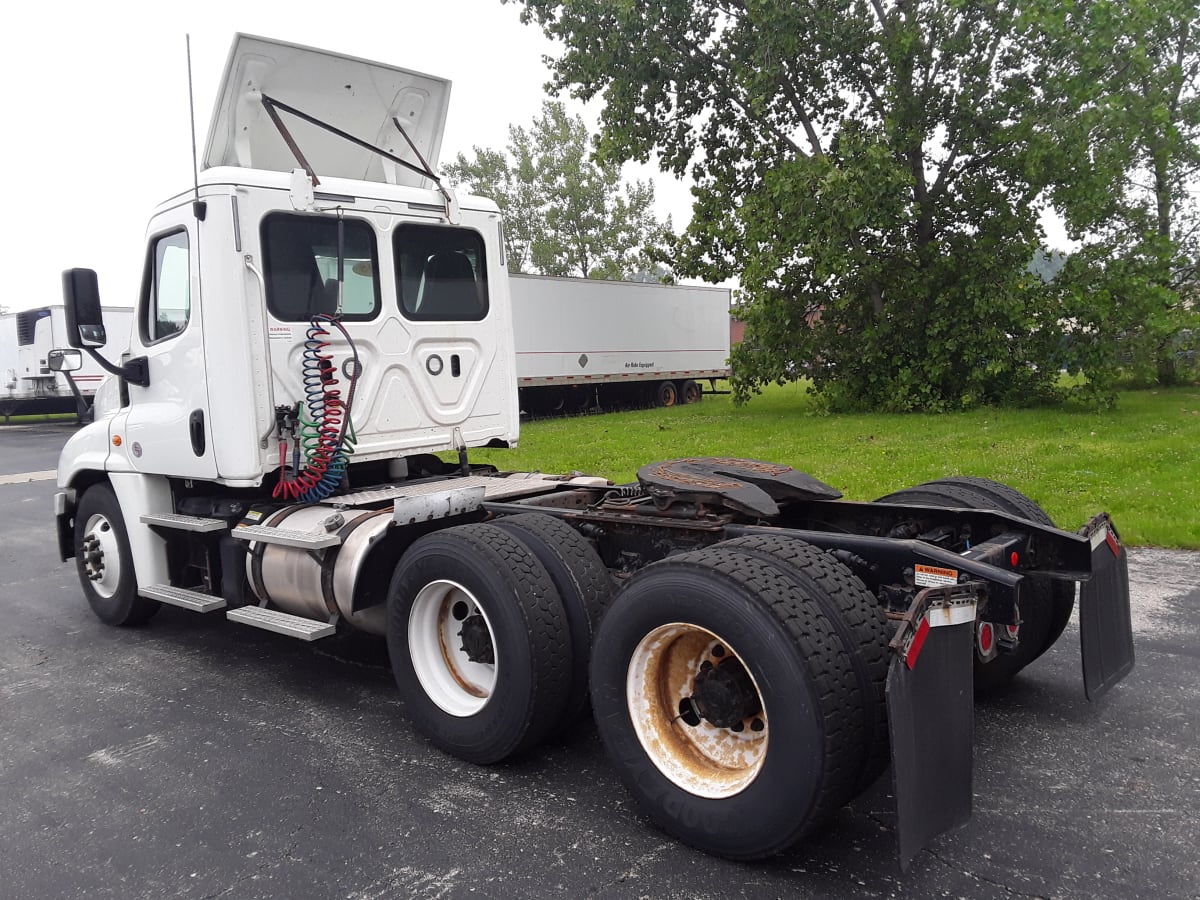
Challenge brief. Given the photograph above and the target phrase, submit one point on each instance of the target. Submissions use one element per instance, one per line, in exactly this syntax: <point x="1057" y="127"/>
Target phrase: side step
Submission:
<point x="308" y="540"/>
<point x="183" y="523"/>
<point x="281" y="622"/>
<point x="182" y="597"/>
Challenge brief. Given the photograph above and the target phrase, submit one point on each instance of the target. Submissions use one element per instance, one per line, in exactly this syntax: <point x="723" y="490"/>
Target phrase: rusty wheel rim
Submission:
<point x="702" y="758"/>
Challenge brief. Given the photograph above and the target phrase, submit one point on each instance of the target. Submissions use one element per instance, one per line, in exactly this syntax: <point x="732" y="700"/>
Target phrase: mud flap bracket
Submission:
<point x="931" y="715"/>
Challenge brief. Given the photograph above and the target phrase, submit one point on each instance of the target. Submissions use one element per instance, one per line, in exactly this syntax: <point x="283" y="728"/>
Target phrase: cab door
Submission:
<point x="167" y="422"/>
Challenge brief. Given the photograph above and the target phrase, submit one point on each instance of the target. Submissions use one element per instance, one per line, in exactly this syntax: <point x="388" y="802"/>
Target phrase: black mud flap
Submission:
<point x="1105" y="626"/>
<point x="931" y="714"/>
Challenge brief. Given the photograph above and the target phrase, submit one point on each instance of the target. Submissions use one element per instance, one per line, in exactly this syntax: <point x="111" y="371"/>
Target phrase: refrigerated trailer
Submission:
<point x="586" y="344"/>
<point x="325" y="333"/>
<point x="28" y="386"/>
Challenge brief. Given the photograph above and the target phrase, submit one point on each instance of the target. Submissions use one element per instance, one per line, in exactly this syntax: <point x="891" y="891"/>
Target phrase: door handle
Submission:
<point x="196" y="429"/>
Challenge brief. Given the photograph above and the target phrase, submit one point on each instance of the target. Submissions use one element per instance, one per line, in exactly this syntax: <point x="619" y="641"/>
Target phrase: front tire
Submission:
<point x="104" y="561"/>
<point x="746" y="760"/>
<point x="479" y="644"/>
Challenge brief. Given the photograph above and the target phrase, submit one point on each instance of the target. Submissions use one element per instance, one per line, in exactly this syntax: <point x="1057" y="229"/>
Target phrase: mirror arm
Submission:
<point x="135" y="371"/>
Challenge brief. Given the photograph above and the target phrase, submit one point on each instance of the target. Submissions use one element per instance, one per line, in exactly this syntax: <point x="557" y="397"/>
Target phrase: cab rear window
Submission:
<point x="441" y="273"/>
<point x="300" y="256"/>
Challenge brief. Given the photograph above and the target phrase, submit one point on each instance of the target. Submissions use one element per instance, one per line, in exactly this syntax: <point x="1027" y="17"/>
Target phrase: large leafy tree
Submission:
<point x="565" y="212"/>
<point x="1127" y="138"/>
<point x="862" y="166"/>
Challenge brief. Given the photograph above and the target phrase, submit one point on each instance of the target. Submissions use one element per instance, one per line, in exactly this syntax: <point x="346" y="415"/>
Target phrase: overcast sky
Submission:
<point x="95" y="111"/>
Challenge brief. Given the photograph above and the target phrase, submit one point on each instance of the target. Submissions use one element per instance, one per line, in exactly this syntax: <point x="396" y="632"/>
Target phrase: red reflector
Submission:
<point x="1015" y="559"/>
<point x="914" y="649"/>
<point x="1111" y="540"/>
<point x="985" y="637"/>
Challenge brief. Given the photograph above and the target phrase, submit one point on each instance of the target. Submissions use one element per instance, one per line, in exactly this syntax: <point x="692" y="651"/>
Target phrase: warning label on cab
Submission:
<point x="934" y="576"/>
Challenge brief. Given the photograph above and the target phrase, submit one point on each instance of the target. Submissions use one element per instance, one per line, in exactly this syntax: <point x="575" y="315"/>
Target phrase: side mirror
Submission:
<point x="81" y="296"/>
<point x="64" y="360"/>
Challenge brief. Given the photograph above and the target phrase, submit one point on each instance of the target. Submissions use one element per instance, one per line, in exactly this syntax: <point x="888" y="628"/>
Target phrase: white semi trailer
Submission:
<point x="28" y="386"/>
<point x="321" y="318"/>
<point x="586" y="344"/>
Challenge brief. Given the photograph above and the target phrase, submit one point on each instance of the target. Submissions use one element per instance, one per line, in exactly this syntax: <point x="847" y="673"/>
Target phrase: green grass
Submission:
<point x="1138" y="461"/>
<point x="28" y="420"/>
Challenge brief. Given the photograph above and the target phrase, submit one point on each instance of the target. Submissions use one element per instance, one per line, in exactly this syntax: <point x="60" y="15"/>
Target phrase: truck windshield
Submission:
<point x="441" y="273"/>
<point x="300" y="254"/>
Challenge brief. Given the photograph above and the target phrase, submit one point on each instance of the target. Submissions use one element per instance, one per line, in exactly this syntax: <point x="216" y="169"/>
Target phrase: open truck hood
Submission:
<point x="354" y="95"/>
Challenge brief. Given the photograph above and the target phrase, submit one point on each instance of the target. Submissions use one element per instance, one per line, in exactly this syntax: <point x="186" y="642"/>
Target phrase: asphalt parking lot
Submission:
<point x="198" y="758"/>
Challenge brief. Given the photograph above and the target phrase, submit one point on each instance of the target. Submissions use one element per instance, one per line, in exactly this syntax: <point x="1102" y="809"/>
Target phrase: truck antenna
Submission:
<point x="199" y="207"/>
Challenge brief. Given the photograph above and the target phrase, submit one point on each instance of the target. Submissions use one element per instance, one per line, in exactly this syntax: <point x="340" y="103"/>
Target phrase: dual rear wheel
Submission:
<point x="489" y="631"/>
<point x="723" y="681"/>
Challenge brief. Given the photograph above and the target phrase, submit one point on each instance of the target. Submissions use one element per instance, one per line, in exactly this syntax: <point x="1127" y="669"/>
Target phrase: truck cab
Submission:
<point x="237" y="268"/>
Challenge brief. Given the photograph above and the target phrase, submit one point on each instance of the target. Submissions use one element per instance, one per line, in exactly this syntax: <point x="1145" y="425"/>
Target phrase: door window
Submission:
<point x="167" y="293"/>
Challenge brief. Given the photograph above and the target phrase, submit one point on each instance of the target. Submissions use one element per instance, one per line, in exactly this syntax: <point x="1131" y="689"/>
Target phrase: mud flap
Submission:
<point x="1105" y="626"/>
<point x="931" y="718"/>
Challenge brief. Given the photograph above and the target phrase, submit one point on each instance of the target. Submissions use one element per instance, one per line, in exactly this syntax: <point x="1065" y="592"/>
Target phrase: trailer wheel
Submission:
<point x="1045" y="616"/>
<point x="666" y="394"/>
<point x="104" y="561"/>
<point x="724" y="702"/>
<point x="582" y="582"/>
<point x="860" y="624"/>
<point x="690" y="391"/>
<point x="478" y="642"/>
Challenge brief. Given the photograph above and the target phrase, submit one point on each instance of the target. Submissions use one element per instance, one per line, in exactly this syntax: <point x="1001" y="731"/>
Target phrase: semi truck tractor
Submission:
<point x="28" y="386"/>
<point x="585" y="344"/>
<point x="323" y="335"/>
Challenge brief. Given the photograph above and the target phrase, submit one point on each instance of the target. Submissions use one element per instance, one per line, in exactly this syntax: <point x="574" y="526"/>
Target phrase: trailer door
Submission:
<point x="167" y="423"/>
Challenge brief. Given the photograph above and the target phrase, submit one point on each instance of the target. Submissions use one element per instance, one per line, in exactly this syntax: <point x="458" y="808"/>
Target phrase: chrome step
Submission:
<point x="183" y="523"/>
<point x="183" y="597"/>
<point x="308" y="540"/>
<point x="281" y="622"/>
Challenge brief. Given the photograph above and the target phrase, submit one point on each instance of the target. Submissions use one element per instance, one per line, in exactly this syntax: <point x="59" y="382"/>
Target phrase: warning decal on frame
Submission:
<point x="934" y="576"/>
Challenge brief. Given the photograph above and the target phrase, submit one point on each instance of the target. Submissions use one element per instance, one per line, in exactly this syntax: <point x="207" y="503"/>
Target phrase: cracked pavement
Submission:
<point x="198" y="758"/>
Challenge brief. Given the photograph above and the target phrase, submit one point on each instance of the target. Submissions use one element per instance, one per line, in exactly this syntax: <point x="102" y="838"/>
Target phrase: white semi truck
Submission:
<point x="586" y="344"/>
<point x="321" y="318"/>
<point x="28" y="386"/>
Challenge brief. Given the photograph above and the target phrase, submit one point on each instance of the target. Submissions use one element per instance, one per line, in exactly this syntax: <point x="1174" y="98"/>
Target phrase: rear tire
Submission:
<point x="666" y="394"/>
<point x="479" y="643"/>
<point x="856" y="617"/>
<point x="1046" y="612"/>
<point x="582" y="582"/>
<point x="724" y="784"/>
<point x="104" y="561"/>
<point x="690" y="391"/>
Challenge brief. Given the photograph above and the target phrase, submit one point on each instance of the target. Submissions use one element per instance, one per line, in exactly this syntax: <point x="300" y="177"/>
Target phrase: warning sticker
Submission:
<point x="280" y="333"/>
<point x="934" y="576"/>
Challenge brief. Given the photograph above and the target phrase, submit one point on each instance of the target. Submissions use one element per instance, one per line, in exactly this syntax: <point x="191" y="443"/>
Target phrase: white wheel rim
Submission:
<point x="101" y="555"/>
<point x="702" y="759"/>
<point x="458" y="685"/>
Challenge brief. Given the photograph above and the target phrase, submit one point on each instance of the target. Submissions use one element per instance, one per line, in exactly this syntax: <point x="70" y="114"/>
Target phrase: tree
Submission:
<point x="1127" y="75"/>
<point x="565" y="212"/>
<point x="862" y="166"/>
